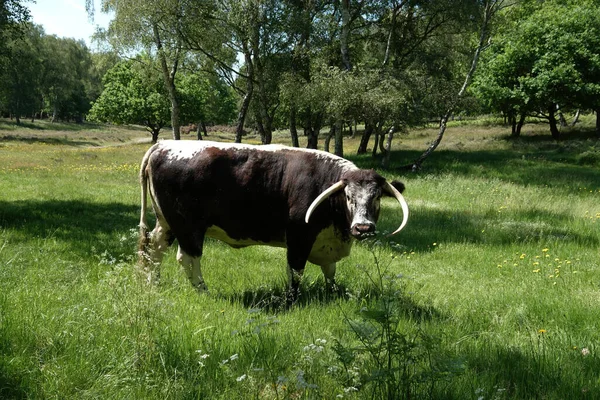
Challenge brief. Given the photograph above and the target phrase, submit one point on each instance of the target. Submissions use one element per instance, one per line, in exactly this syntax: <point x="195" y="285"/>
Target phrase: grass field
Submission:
<point x="491" y="292"/>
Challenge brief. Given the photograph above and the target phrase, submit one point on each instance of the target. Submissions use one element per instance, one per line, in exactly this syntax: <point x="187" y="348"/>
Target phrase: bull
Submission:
<point x="311" y="202"/>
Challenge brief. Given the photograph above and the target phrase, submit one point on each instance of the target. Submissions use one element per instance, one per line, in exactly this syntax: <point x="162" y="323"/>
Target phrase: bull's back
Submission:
<point x="233" y="191"/>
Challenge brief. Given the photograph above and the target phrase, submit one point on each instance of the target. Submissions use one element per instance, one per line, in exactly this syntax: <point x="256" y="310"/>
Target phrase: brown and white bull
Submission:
<point x="308" y="201"/>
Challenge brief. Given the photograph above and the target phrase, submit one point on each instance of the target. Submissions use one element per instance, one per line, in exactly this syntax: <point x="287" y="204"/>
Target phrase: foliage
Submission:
<point x="389" y="362"/>
<point x="133" y="94"/>
<point x="546" y="56"/>
<point x="205" y="98"/>
<point x="20" y="91"/>
<point x="166" y="30"/>
<point x="65" y="75"/>
<point x="46" y="75"/>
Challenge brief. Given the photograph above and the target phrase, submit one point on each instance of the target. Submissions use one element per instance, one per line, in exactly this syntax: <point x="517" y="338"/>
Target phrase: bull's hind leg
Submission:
<point x="191" y="266"/>
<point x="152" y="250"/>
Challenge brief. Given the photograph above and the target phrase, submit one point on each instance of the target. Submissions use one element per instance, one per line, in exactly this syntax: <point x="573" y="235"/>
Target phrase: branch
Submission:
<point x="491" y="8"/>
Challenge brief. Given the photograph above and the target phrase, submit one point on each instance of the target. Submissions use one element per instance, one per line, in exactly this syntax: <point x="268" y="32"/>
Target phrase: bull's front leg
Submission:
<point x="191" y="266"/>
<point x="297" y="255"/>
<point x="329" y="274"/>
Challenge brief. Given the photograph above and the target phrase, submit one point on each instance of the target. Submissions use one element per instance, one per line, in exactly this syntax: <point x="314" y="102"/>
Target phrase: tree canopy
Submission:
<point x="133" y="94"/>
<point x="546" y="58"/>
<point x="309" y="65"/>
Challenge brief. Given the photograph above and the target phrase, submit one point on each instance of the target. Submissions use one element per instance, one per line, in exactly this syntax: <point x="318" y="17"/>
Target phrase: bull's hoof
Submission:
<point x="291" y="296"/>
<point x="201" y="288"/>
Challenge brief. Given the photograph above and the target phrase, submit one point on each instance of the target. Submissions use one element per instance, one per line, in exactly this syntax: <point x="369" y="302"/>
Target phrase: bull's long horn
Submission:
<point x="403" y="204"/>
<point x="321" y="198"/>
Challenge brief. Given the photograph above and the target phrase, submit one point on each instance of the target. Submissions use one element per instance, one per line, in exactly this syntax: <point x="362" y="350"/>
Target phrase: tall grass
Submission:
<point x="490" y="292"/>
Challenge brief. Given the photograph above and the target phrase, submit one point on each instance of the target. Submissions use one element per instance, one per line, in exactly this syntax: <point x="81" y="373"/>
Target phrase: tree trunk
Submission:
<point x="54" y="111"/>
<point x="381" y="142"/>
<point x="561" y="117"/>
<point x="345" y="34"/>
<point x="377" y="138"/>
<point x="169" y="79"/>
<point x="552" y="120"/>
<point x="312" y="133"/>
<point x="293" y="127"/>
<point x="264" y="122"/>
<point x="154" y="132"/>
<point x="239" y="130"/>
<point x="520" y="124"/>
<point x="388" y="147"/>
<point x="339" y="139"/>
<point x="597" y="111"/>
<point x="313" y="138"/>
<point x="200" y="128"/>
<point x="364" y="140"/>
<point x="328" y="137"/>
<point x="575" y="118"/>
<point x="513" y="126"/>
<point x="490" y="8"/>
<point x="390" y="38"/>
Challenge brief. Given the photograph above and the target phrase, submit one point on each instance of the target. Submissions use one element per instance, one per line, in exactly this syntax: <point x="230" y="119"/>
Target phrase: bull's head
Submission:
<point x="363" y="190"/>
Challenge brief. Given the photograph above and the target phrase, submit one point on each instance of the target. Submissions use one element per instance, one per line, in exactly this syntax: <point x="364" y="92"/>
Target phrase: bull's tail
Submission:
<point x="144" y="240"/>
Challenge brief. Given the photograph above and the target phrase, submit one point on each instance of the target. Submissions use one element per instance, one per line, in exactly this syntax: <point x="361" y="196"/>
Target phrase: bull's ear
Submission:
<point x="399" y="187"/>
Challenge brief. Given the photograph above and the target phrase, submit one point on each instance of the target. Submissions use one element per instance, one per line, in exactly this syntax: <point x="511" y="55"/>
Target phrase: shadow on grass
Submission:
<point x="564" y="166"/>
<point x="64" y="141"/>
<point x="569" y="135"/>
<point x="534" y="374"/>
<point x="83" y="226"/>
<point x="427" y="226"/>
<point x="46" y="125"/>
<point x="277" y="299"/>
<point x="12" y="385"/>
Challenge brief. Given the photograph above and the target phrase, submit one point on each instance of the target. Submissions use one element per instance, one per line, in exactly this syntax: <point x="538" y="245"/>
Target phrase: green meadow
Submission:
<point x="492" y="291"/>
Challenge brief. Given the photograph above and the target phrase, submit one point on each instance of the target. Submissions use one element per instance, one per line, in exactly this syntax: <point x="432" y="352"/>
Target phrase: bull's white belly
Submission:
<point x="217" y="233"/>
<point x="329" y="247"/>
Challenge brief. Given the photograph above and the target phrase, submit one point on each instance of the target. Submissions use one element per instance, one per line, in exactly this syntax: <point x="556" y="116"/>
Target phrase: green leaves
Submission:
<point x="133" y="94"/>
<point x="548" y="55"/>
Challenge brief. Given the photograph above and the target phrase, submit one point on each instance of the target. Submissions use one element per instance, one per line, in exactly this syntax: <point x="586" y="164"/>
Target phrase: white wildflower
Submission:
<point x="585" y="351"/>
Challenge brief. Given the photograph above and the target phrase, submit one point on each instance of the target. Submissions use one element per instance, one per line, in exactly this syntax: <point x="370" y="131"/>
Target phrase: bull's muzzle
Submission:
<point x="361" y="231"/>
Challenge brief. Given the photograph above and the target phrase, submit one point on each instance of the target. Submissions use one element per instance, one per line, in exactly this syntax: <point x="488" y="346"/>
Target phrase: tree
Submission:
<point x="12" y="16"/>
<point x="44" y="74"/>
<point x="133" y="94"/>
<point x="489" y="10"/>
<point x="549" y="57"/>
<point x="205" y="99"/>
<point x="159" y="27"/>
<point x="20" y="89"/>
<point x="65" y="77"/>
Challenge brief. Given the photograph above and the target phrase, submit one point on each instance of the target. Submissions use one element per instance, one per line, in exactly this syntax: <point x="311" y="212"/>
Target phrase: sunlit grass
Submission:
<point x="497" y="268"/>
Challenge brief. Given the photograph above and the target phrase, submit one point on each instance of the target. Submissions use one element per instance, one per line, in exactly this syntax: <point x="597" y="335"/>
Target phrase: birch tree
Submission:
<point x="156" y="26"/>
<point x="489" y="9"/>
